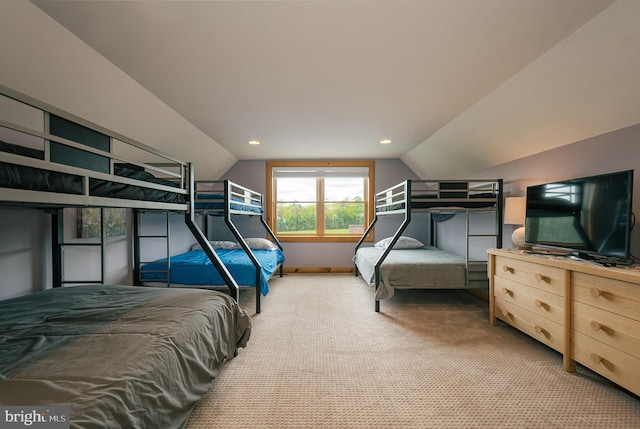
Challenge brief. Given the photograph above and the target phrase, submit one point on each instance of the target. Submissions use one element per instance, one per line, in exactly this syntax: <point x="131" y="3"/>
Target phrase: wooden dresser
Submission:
<point x="587" y="312"/>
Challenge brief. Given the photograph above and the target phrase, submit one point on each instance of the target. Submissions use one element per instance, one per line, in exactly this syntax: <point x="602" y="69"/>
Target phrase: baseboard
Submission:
<point x="317" y="270"/>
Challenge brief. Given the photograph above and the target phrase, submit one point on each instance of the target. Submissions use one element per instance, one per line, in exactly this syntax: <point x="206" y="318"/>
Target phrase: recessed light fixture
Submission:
<point x="385" y="141"/>
<point x="254" y="142"/>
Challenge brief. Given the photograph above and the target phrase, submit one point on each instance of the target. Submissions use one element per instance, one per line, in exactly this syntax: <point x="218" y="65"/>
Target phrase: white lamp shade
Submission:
<point x="514" y="214"/>
<point x="514" y="210"/>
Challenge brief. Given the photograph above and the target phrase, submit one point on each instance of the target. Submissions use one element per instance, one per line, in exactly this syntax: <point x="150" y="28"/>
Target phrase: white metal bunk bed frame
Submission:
<point x="437" y="196"/>
<point x="182" y="173"/>
<point x="217" y="198"/>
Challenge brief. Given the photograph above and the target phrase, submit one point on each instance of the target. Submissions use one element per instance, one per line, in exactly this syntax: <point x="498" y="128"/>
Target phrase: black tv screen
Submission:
<point x="587" y="216"/>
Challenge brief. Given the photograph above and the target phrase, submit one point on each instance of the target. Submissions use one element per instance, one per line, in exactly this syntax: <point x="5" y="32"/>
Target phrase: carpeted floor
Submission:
<point x="320" y="357"/>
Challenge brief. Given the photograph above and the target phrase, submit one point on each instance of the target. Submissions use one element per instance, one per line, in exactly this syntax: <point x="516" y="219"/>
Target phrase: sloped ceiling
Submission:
<point x="458" y="86"/>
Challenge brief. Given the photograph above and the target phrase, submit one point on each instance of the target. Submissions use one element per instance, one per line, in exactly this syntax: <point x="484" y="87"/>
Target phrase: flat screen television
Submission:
<point x="588" y="217"/>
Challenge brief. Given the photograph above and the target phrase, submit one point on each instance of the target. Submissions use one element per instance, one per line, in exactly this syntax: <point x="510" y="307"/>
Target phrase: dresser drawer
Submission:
<point x="538" y="327"/>
<point x="540" y="302"/>
<point x="607" y="361"/>
<point x="608" y="294"/>
<point x="589" y="313"/>
<point x="609" y="328"/>
<point x="543" y="277"/>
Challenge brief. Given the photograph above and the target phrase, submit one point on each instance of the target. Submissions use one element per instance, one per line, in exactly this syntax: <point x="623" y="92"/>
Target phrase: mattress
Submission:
<point x="433" y="201"/>
<point x="194" y="268"/>
<point x="39" y="179"/>
<point x="215" y="203"/>
<point x="119" y="356"/>
<point x="422" y="268"/>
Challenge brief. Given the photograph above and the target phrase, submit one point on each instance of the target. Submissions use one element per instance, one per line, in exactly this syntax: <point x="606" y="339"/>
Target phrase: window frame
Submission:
<point x="332" y="238"/>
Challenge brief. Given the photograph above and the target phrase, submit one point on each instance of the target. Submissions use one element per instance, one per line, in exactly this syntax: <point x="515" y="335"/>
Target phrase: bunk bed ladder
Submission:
<point x="474" y="268"/>
<point x="58" y="244"/>
<point x="200" y="238"/>
<point x="137" y="249"/>
<point x="477" y="270"/>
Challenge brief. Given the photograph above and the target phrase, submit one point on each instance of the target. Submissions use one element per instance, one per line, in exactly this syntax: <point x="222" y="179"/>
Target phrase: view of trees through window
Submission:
<point x="320" y="205"/>
<point x="315" y="202"/>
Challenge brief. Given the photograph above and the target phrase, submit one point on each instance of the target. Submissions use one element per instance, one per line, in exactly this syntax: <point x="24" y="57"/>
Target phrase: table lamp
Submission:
<point x="514" y="214"/>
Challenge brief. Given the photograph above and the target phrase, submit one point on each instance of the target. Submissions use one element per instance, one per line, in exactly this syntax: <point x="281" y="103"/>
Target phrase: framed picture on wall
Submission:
<point x="115" y="222"/>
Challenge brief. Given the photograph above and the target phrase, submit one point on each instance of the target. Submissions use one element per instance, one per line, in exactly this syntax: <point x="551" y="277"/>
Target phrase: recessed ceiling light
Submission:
<point x="254" y="142"/>
<point x="385" y="141"/>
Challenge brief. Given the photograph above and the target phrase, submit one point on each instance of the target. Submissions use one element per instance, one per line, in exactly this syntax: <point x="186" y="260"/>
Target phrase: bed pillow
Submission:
<point x="218" y="244"/>
<point x="402" y="243"/>
<point x="260" y="244"/>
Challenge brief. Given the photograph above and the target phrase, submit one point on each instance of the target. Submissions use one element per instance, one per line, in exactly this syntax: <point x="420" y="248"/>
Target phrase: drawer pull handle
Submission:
<point x="540" y="304"/>
<point x="507" y="291"/>
<point x="506" y="314"/>
<point x="596" y="358"/>
<point x="595" y="325"/>
<point x="540" y="330"/>
<point x="507" y="269"/>
<point x="595" y="292"/>
<point x="541" y="278"/>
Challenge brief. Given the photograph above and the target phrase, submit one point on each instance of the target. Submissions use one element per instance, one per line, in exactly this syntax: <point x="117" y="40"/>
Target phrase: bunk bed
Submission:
<point x="251" y="261"/>
<point x="401" y="262"/>
<point x="135" y="356"/>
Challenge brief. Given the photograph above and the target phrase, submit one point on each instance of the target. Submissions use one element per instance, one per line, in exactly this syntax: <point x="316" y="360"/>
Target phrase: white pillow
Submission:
<point x="218" y="244"/>
<point x="260" y="244"/>
<point x="402" y="243"/>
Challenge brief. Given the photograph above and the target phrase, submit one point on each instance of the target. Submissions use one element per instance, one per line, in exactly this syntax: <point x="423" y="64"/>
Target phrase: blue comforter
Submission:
<point x="195" y="268"/>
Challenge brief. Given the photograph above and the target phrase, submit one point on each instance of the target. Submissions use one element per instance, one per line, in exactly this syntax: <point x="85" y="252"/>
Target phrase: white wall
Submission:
<point x="43" y="60"/>
<point x="25" y="253"/>
<point x="451" y="234"/>
<point x="615" y="151"/>
<point x="155" y="224"/>
<point x="83" y="263"/>
<point x="23" y="258"/>
<point x="584" y="86"/>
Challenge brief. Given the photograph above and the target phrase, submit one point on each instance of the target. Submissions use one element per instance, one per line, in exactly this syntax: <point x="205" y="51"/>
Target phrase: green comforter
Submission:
<point x="120" y="356"/>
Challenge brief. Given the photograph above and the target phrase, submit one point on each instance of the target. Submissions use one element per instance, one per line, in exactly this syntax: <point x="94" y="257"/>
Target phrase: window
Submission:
<point x="319" y="201"/>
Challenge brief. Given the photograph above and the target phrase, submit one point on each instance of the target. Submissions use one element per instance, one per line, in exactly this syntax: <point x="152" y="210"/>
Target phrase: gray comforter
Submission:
<point x="423" y="268"/>
<point x="120" y="356"/>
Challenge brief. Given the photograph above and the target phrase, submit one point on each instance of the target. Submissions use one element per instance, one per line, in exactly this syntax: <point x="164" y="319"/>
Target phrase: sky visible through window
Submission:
<point x="304" y="189"/>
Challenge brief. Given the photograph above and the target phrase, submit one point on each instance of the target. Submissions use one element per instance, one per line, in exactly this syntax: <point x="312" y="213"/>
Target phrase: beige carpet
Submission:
<point x="320" y="357"/>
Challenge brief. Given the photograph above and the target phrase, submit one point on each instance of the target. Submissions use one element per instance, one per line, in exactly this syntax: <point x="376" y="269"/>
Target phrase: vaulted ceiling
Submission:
<point x="457" y="86"/>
